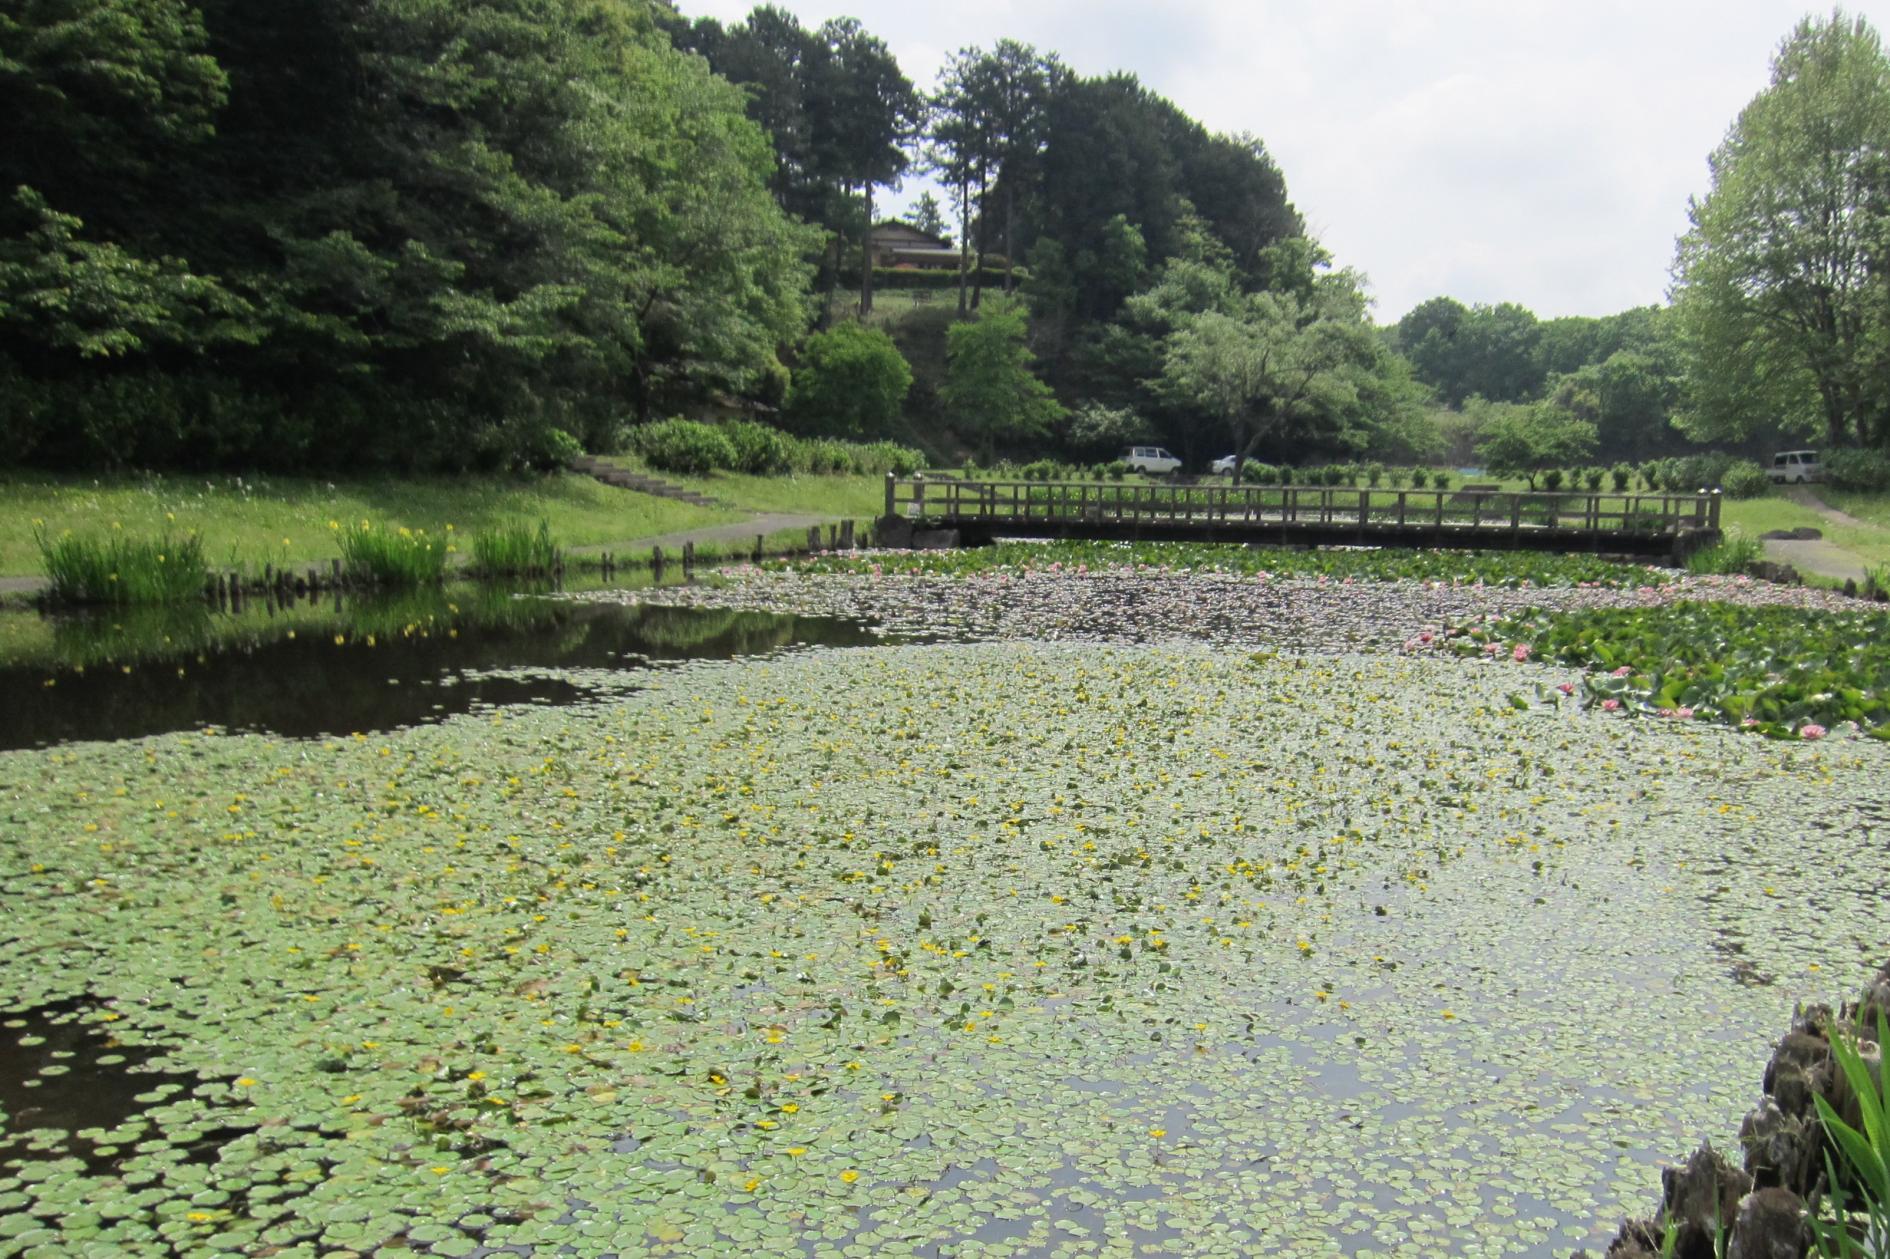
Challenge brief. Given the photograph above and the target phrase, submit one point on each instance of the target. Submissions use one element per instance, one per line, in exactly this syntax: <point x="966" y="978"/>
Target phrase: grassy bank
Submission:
<point x="281" y="520"/>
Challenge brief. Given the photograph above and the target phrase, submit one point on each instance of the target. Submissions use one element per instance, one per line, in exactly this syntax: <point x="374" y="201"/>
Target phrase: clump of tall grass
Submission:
<point x="122" y="570"/>
<point x="393" y="557"/>
<point x="515" y="549"/>
<point x="1734" y="554"/>
<point x="1859" y="1224"/>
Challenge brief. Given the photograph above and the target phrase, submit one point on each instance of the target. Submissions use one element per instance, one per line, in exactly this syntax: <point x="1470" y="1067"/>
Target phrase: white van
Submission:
<point x="1796" y="466"/>
<point x="1151" y="459"/>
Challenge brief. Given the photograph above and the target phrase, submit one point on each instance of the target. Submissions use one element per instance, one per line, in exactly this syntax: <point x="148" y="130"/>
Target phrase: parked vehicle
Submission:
<point x="1224" y="466"/>
<point x="1796" y="466"/>
<point x="1153" y="460"/>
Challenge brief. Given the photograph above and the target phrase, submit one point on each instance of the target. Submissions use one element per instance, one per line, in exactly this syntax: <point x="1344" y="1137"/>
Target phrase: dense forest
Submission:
<point x="403" y="234"/>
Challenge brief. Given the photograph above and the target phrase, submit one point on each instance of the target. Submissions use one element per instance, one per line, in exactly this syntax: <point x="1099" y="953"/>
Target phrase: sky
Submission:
<point x="1531" y="151"/>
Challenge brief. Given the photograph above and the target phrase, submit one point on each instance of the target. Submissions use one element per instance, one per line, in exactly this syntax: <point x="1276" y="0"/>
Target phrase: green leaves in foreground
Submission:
<point x="1865" y="1149"/>
<point x="1508" y="568"/>
<point x="1783" y="671"/>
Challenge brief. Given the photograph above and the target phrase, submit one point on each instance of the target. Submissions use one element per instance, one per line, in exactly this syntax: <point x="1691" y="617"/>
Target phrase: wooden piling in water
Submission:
<point x="846" y="535"/>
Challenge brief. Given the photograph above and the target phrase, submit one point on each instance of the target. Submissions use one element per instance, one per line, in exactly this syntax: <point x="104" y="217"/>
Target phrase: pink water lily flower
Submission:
<point x="1567" y="688"/>
<point x="1610" y="705"/>
<point x="1811" y="730"/>
<point x="1523" y="651"/>
<point x="1622" y="672"/>
<point x="1683" y="714"/>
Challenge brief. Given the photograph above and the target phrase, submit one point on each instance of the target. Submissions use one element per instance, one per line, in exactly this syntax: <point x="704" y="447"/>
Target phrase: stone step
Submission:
<point x="639" y="482"/>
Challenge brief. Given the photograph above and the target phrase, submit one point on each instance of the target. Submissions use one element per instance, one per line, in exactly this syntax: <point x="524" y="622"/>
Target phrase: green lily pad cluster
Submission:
<point x="1008" y="949"/>
<point x="1491" y="568"/>
<point x="1783" y="672"/>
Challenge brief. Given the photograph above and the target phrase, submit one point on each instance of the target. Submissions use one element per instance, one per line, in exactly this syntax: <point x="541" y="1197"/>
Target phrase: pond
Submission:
<point x="951" y="948"/>
<point x="336" y="665"/>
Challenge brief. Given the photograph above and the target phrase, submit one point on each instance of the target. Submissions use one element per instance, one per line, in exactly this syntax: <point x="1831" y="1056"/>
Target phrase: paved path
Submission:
<point x="1826" y="559"/>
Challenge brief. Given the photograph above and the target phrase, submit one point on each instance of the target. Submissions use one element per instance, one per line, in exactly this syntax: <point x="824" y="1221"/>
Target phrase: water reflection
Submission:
<point x="334" y="665"/>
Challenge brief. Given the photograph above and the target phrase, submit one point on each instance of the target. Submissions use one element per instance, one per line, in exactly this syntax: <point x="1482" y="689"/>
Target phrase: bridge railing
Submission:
<point x="1472" y="510"/>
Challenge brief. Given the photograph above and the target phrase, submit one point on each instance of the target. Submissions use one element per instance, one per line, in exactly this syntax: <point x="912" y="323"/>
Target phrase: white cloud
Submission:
<point x="1492" y="150"/>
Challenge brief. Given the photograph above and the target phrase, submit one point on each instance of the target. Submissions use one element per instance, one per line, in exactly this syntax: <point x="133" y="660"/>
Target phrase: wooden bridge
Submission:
<point x="945" y="512"/>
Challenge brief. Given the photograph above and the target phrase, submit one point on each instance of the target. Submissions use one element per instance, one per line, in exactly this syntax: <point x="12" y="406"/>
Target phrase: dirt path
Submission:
<point x="1826" y="559"/>
<point x="1808" y="497"/>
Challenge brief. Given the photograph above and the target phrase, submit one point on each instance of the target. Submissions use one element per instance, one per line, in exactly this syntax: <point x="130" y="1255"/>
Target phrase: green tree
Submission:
<point x="870" y="110"/>
<point x="384" y="231"/>
<point x="928" y="216"/>
<point x="850" y="383"/>
<point x="1523" y="439"/>
<point x="1779" y="285"/>
<point x="989" y="387"/>
<point x="988" y="130"/>
<point x="1270" y="363"/>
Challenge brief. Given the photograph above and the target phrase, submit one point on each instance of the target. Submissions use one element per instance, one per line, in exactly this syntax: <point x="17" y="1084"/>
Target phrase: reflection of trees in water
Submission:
<point x="718" y="631"/>
<point x="367" y="664"/>
<point x="182" y="631"/>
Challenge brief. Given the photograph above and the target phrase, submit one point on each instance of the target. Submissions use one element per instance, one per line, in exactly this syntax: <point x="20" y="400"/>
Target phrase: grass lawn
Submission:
<point x="1873" y="506"/>
<point x="1870" y="543"/>
<point x="838" y="497"/>
<point x="277" y="520"/>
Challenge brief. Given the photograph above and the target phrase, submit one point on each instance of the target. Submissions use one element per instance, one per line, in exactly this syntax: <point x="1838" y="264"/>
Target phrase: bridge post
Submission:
<point x="892" y="484"/>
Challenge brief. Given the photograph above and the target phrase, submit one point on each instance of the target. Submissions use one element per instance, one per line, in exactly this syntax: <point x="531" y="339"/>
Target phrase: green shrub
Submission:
<point x="1704" y="471"/>
<point x="1041" y="470"/>
<point x="685" y="447"/>
<point x="1623" y="476"/>
<point x="1420" y="477"/>
<point x="760" y="449"/>
<point x="1745" y="479"/>
<point x="1260" y="474"/>
<point x="1650" y="474"/>
<point x="1286" y="474"/>
<point x="121" y="570"/>
<point x="1441" y="479"/>
<point x="1374" y="473"/>
<point x="1593" y="479"/>
<point x="822" y="456"/>
<point x="515" y="549"/>
<point x="392" y="557"/>
<point x="1857" y="469"/>
<point x="1552" y="480"/>
<point x="1118" y="470"/>
<point x="850" y="382"/>
<point x="1734" y="554"/>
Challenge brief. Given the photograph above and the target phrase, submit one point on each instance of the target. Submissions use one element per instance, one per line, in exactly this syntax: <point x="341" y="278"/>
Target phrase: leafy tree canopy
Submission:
<point x="850" y="383"/>
<point x="1780" y="285"/>
<point x="989" y="386"/>
<point x="389" y="230"/>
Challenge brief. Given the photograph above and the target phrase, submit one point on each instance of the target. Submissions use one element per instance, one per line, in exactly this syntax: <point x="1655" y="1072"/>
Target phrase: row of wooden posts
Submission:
<point x="840" y="537"/>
